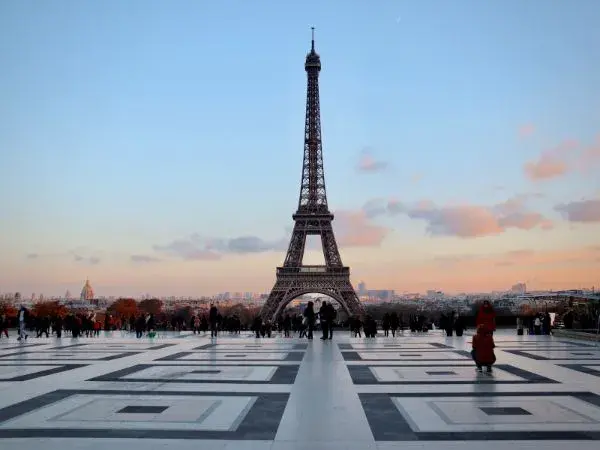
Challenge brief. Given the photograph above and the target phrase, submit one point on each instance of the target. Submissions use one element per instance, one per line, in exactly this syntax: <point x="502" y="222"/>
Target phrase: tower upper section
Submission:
<point x="313" y="196"/>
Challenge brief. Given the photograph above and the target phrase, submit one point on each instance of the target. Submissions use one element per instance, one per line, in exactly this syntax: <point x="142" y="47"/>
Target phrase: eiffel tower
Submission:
<point x="312" y="218"/>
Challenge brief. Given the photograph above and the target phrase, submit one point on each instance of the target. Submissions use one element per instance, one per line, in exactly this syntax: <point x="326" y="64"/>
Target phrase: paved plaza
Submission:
<point x="412" y="391"/>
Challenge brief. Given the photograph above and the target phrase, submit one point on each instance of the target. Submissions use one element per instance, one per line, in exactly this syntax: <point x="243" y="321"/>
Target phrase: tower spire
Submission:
<point x="312" y="48"/>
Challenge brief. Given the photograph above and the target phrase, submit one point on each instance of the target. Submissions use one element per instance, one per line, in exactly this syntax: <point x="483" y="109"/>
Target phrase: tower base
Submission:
<point x="293" y="282"/>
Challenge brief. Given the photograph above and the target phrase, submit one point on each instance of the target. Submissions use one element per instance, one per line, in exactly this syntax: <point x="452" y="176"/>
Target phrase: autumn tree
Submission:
<point x="49" y="309"/>
<point x="123" y="308"/>
<point x="151" y="306"/>
<point x="8" y="310"/>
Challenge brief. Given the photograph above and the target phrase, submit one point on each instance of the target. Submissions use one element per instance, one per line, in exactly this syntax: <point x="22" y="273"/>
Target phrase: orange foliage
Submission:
<point x="123" y="308"/>
<point x="9" y="310"/>
<point x="49" y="309"/>
<point x="151" y="306"/>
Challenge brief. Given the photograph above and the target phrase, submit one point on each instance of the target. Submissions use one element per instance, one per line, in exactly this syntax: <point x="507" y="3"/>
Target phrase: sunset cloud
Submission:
<point x="526" y="130"/>
<point x="192" y="248"/>
<point x="585" y="211"/>
<point x="92" y="260"/>
<point x="522" y="257"/>
<point x="368" y="164"/>
<point x="546" y="167"/>
<point x="143" y="259"/>
<point x="567" y="157"/>
<point x="465" y="221"/>
<point x="354" y="229"/>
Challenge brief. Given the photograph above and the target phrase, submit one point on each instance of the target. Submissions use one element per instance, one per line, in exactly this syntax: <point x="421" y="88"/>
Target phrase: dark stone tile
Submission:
<point x="354" y="356"/>
<point x="142" y="409"/>
<point x="52" y="356"/>
<point x="439" y="345"/>
<point x="526" y="354"/>
<point x="506" y="411"/>
<point x="260" y="423"/>
<point x="583" y="369"/>
<point x="113" y="346"/>
<point x="284" y="374"/>
<point x="53" y="368"/>
<point x="440" y="372"/>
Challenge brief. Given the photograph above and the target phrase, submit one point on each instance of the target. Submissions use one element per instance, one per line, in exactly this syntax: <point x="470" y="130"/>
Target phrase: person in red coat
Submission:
<point x="486" y="316"/>
<point x="483" y="349"/>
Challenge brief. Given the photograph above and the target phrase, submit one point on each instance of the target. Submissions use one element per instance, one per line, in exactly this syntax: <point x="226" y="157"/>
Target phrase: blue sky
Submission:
<point x="125" y="126"/>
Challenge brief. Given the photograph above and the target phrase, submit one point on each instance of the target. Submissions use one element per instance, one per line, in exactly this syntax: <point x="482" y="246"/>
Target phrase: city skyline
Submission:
<point x="158" y="149"/>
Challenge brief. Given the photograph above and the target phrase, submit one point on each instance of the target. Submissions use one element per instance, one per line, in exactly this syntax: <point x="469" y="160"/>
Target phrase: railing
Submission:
<point x="312" y="270"/>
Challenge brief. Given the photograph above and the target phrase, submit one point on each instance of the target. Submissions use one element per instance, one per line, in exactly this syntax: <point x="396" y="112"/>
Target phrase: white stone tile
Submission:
<point x="102" y="412"/>
<point x="559" y="413"/>
<point x="416" y="374"/>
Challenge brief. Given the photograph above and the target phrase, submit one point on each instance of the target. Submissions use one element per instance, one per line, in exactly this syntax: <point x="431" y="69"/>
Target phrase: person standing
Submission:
<point x="332" y="317"/>
<point x="213" y="318"/>
<point x="483" y="349"/>
<point x="3" y="325"/>
<point x="309" y="315"/>
<point x="487" y="316"/>
<point x="324" y="316"/>
<point x="22" y="316"/>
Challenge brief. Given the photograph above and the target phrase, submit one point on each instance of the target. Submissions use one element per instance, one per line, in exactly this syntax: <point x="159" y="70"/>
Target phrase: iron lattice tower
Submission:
<point x="312" y="218"/>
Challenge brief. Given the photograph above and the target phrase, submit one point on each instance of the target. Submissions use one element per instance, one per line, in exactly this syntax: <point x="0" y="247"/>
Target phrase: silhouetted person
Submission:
<point x="324" y="315"/>
<point x="140" y="324"/>
<point x="459" y="325"/>
<point x="287" y="325"/>
<point x="257" y="326"/>
<point x="385" y="324"/>
<point x="394" y="323"/>
<point x="309" y="315"/>
<point x="332" y="316"/>
<point x="213" y="320"/>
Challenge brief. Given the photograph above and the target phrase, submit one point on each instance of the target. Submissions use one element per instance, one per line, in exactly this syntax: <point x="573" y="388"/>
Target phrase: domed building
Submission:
<point x="87" y="293"/>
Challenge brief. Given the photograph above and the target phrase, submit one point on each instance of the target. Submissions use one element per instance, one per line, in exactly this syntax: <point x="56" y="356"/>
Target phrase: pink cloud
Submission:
<point x="462" y="221"/>
<point x="566" y="157"/>
<point x="468" y="221"/>
<point x="584" y="211"/>
<point x="546" y="167"/>
<point x="526" y="130"/>
<point x="354" y="229"/>
<point x="368" y="163"/>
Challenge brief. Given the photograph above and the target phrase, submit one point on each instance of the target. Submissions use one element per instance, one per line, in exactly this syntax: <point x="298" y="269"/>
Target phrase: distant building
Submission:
<point x="519" y="288"/>
<point x="362" y="288"/>
<point x="87" y="293"/>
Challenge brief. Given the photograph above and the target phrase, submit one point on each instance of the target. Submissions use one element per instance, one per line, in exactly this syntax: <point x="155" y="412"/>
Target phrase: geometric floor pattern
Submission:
<point x="412" y="391"/>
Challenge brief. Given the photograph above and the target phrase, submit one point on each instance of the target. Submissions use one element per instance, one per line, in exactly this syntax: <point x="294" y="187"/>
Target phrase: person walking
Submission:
<point x="309" y="315"/>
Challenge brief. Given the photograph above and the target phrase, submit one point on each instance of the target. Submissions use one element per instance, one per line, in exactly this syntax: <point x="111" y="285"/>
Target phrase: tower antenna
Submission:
<point x="313" y="38"/>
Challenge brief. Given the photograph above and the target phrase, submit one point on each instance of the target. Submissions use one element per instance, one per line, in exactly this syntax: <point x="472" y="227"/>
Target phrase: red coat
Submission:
<point x="483" y="344"/>
<point x="486" y="316"/>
